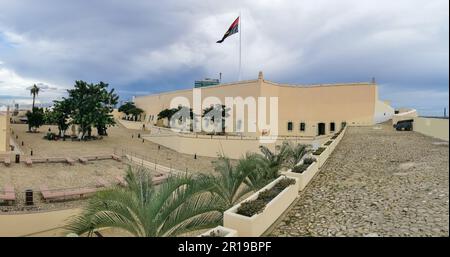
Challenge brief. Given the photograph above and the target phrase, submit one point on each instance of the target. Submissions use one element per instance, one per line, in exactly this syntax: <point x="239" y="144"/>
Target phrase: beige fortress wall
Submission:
<point x="4" y="132"/>
<point x="354" y="103"/>
<point x="433" y="127"/>
<point x="350" y="103"/>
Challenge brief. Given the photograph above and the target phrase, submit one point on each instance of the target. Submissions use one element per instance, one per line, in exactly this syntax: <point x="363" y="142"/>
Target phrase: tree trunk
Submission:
<point x="32" y="108"/>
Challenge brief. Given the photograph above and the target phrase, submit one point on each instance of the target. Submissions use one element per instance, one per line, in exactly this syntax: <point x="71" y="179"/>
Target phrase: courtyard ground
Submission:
<point x="119" y="138"/>
<point x="63" y="176"/>
<point x="377" y="182"/>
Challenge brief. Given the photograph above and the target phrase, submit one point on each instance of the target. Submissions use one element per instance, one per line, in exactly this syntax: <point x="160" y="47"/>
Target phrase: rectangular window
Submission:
<point x="302" y="126"/>
<point x="332" y="127"/>
<point x="290" y="126"/>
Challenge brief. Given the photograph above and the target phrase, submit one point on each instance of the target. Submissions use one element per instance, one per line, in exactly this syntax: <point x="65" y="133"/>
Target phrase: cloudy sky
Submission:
<point x="142" y="47"/>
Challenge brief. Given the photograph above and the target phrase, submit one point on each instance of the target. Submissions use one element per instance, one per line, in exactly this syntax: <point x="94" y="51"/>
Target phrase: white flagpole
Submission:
<point x="240" y="45"/>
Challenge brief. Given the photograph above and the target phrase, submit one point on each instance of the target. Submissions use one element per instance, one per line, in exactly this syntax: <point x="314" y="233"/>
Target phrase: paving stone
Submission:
<point x="359" y="191"/>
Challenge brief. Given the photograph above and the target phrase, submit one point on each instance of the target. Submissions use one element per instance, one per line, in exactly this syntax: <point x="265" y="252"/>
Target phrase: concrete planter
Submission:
<point x="220" y="232"/>
<point x="305" y="177"/>
<point x="259" y="223"/>
<point x="322" y="157"/>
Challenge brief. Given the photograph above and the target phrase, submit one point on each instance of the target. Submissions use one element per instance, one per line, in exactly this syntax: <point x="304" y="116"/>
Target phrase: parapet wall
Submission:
<point x="434" y="127"/>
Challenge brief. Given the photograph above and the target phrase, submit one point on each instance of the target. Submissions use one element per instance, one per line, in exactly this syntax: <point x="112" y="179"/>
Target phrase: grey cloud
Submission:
<point x="150" y="46"/>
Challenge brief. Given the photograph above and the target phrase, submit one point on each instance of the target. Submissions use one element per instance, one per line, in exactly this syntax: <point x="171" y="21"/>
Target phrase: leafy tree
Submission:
<point x="91" y="106"/>
<point x="181" y="204"/>
<point x="35" y="118"/>
<point x="217" y="110"/>
<point x="136" y="112"/>
<point x="61" y="114"/>
<point x="127" y="108"/>
<point x="34" y="91"/>
<point x="167" y="113"/>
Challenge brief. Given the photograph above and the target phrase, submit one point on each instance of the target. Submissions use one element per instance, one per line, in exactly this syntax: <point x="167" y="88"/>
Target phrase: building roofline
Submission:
<point x="212" y="86"/>
<point x="265" y="81"/>
<point x="319" y="85"/>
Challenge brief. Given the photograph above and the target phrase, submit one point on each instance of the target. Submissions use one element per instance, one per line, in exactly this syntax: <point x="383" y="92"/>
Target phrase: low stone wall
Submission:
<point x="232" y="147"/>
<point x="136" y="125"/>
<point x="433" y="127"/>
<point x="35" y="224"/>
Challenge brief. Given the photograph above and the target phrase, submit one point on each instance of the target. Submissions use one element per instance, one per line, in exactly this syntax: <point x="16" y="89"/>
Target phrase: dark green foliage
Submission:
<point x="256" y="206"/>
<point x="295" y="153"/>
<point x="60" y="115"/>
<point x="267" y="195"/>
<point x="309" y="160"/>
<point x="300" y="168"/>
<point x="319" y="151"/>
<point x="130" y="109"/>
<point x="91" y="106"/>
<point x="35" y="118"/>
<point x="50" y="136"/>
<point x="251" y="208"/>
<point x="329" y="142"/>
<point x="217" y="111"/>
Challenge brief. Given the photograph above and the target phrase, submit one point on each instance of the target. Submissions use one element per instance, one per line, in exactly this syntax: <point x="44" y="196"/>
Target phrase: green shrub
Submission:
<point x="319" y="151"/>
<point x="283" y="183"/>
<point x="300" y="168"/>
<point x="309" y="160"/>
<point x="267" y="195"/>
<point x="256" y="206"/>
<point x="335" y="136"/>
<point x="329" y="142"/>
<point x="50" y="136"/>
<point x="251" y="208"/>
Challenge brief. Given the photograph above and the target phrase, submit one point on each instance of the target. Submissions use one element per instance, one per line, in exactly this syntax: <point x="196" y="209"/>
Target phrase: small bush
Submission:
<point x="335" y="136"/>
<point x="309" y="160"/>
<point x="50" y="136"/>
<point x="319" y="151"/>
<point x="267" y="195"/>
<point x="251" y="208"/>
<point x="300" y="168"/>
<point x="283" y="183"/>
<point x="329" y="142"/>
<point x="256" y="206"/>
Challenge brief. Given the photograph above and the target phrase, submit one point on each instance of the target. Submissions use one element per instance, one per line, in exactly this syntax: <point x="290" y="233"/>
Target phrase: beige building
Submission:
<point x="303" y="110"/>
<point x="4" y="132"/>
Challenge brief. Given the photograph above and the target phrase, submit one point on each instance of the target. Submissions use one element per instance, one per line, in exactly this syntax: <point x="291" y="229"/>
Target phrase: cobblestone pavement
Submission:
<point x="377" y="182"/>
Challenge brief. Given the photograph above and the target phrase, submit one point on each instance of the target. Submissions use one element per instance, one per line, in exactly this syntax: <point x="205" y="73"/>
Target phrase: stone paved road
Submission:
<point x="378" y="182"/>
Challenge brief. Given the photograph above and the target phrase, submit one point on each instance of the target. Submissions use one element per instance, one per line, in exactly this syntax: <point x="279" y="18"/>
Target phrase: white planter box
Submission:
<point x="305" y="177"/>
<point x="221" y="231"/>
<point x="259" y="223"/>
<point x="322" y="157"/>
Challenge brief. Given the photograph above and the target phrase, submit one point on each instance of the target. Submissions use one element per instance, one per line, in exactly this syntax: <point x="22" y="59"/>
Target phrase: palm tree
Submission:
<point x="182" y="204"/>
<point x="34" y="91"/>
<point x="275" y="160"/>
<point x="295" y="154"/>
<point x="232" y="182"/>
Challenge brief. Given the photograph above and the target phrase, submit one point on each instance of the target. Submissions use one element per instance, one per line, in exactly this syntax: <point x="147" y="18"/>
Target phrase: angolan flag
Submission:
<point x="234" y="28"/>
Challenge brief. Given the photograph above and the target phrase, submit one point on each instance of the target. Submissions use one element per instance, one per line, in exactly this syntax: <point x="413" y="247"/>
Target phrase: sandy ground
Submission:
<point x="61" y="175"/>
<point x="119" y="138"/>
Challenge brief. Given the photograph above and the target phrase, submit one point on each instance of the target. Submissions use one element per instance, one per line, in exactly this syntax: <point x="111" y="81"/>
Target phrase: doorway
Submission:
<point x="320" y="129"/>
